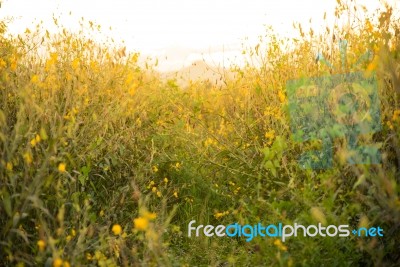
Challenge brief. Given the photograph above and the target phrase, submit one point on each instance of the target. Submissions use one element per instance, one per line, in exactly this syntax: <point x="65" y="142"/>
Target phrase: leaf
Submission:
<point x="7" y="203"/>
<point x="82" y="179"/>
<point x="43" y="134"/>
<point x="318" y="215"/>
<point x="256" y="48"/>
<point x="270" y="166"/>
<point x="359" y="181"/>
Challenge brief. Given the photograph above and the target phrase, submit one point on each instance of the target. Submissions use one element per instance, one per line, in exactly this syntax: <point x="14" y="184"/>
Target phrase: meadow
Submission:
<point x="104" y="163"/>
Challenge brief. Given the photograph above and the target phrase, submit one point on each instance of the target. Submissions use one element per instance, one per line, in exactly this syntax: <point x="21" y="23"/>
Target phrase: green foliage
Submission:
<point x="102" y="163"/>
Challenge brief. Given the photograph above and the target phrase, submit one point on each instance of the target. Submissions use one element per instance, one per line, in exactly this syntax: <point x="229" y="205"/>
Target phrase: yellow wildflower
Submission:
<point x="33" y="142"/>
<point x="175" y="194"/>
<point x="141" y="223"/>
<point x="154" y="168"/>
<point x="219" y="215"/>
<point x="210" y="142"/>
<point x="61" y="167"/>
<point x="89" y="256"/>
<point x="166" y="180"/>
<point x="13" y="65"/>
<point x="282" y="96"/>
<point x="396" y="115"/>
<point x="151" y="184"/>
<point x="369" y="26"/>
<point x="41" y="245"/>
<point x="270" y="135"/>
<point x="75" y="63"/>
<point x="35" y="79"/>
<point x="57" y="262"/>
<point x="28" y="157"/>
<point x="9" y="166"/>
<point x="390" y="125"/>
<point x="149" y="215"/>
<point x="280" y="245"/>
<point x="373" y="65"/>
<point x="116" y="229"/>
<point x="3" y="64"/>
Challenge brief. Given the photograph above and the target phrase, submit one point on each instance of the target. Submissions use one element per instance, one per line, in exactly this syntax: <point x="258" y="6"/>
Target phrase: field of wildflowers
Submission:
<point x="103" y="163"/>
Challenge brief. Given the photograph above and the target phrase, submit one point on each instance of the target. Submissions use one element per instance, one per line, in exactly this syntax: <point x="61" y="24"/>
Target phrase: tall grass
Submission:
<point x="104" y="163"/>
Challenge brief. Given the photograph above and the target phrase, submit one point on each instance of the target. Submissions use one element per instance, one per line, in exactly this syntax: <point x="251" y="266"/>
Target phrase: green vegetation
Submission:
<point x="102" y="163"/>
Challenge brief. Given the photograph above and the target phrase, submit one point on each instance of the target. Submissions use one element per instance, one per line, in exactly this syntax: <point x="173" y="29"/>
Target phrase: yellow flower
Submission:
<point x="390" y="125"/>
<point x="373" y="65"/>
<point x="3" y="64"/>
<point x="28" y="157"/>
<point x="166" y="180"/>
<point x="270" y="135"/>
<point x="369" y="26"/>
<point x="396" y="115"/>
<point x="33" y="142"/>
<point x="57" y="262"/>
<point x="175" y="194"/>
<point x="154" y="189"/>
<point x="159" y="194"/>
<point x="282" y="97"/>
<point x="116" y="229"/>
<point x="9" y="166"/>
<point x="13" y="65"/>
<point x="151" y="184"/>
<point x="141" y="223"/>
<point x="89" y="256"/>
<point x="236" y="190"/>
<point x="41" y="245"/>
<point x="155" y="169"/>
<point x="35" y="79"/>
<point x="75" y="63"/>
<point x="210" y="142"/>
<point x="149" y="215"/>
<point x="219" y="215"/>
<point x="61" y="167"/>
<point x="280" y="245"/>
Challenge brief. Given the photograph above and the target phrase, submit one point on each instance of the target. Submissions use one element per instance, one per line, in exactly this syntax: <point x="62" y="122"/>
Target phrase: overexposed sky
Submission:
<point x="181" y="30"/>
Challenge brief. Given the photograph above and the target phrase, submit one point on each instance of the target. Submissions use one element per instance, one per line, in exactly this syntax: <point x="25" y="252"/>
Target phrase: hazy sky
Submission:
<point x="179" y="29"/>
